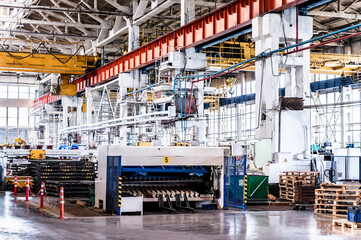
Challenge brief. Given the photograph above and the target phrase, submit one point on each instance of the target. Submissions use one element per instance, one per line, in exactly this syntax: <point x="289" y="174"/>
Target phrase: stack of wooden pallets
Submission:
<point x="336" y="198"/>
<point x="289" y="180"/>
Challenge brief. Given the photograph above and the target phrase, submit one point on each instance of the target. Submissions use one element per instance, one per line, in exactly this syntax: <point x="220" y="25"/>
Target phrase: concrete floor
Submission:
<point x="23" y="221"/>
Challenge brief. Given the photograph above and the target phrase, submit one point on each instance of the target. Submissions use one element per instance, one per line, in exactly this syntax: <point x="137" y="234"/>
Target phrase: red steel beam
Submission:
<point x="45" y="99"/>
<point x="231" y="17"/>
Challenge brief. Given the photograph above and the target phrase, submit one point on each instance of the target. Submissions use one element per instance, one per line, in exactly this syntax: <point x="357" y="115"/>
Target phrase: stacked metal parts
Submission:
<point x="75" y="176"/>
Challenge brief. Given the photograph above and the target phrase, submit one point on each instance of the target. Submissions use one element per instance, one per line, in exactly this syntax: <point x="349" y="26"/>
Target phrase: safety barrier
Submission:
<point x="15" y="186"/>
<point x="61" y="203"/>
<point x="27" y="189"/>
<point x="42" y="193"/>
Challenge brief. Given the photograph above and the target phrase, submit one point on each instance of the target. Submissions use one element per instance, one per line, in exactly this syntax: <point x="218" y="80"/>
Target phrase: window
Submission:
<point x="23" y="117"/>
<point x="12" y="135"/>
<point x="18" y="92"/>
<point x="3" y="92"/>
<point x="12" y="116"/>
<point x="13" y="92"/>
<point x="32" y="91"/>
<point x="2" y="117"/>
<point x="24" y="92"/>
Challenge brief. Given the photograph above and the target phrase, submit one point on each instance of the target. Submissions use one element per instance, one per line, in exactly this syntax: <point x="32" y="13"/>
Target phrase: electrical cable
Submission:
<point x="47" y="50"/>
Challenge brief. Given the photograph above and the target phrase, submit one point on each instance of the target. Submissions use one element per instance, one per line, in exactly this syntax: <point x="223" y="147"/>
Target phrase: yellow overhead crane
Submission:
<point x="48" y="62"/>
<point x="232" y="52"/>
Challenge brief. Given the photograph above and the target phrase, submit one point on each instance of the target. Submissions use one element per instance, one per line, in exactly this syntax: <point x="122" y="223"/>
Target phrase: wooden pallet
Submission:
<point x="340" y="186"/>
<point x="288" y="181"/>
<point x="302" y="173"/>
<point x="346" y="224"/>
<point x="336" y="198"/>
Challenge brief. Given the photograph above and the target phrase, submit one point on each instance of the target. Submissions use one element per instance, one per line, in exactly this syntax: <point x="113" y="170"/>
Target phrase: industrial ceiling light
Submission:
<point x="38" y="78"/>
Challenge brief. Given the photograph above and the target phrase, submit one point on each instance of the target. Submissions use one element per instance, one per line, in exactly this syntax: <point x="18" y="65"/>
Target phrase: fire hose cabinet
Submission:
<point x="354" y="214"/>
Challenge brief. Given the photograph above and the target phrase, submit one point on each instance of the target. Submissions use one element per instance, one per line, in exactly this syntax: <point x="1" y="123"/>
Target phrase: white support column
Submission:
<point x="202" y="125"/>
<point x="187" y="11"/>
<point x="123" y="112"/>
<point x="66" y="103"/>
<point x="268" y="32"/>
<point x="133" y="31"/>
<point x="89" y="105"/>
<point x="79" y="113"/>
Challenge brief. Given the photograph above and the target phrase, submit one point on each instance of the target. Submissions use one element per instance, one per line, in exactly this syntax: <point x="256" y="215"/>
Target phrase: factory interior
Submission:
<point x="176" y="119"/>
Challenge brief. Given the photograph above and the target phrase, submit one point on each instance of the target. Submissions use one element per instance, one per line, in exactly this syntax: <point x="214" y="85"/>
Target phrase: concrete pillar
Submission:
<point x="187" y="11"/>
<point x="89" y="105"/>
<point x="123" y="113"/>
<point x="133" y="32"/>
<point x="79" y="113"/>
<point x="268" y="32"/>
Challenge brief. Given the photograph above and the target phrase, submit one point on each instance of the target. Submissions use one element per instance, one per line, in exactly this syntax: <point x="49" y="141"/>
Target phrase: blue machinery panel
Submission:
<point x="235" y="182"/>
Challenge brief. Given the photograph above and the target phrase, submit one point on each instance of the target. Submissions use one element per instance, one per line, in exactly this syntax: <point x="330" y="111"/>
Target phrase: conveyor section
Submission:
<point x="151" y="182"/>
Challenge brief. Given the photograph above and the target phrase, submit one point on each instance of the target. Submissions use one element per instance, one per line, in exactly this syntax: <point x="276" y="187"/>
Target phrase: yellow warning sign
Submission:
<point x="166" y="159"/>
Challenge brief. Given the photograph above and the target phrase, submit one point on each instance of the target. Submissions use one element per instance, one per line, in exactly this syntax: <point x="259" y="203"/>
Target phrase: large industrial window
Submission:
<point x="14" y="120"/>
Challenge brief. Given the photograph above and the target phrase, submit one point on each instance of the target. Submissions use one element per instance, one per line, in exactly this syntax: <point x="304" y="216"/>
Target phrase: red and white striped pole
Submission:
<point x="42" y="195"/>
<point x="61" y="203"/>
<point x="15" y="185"/>
<point x="27" y="189"/>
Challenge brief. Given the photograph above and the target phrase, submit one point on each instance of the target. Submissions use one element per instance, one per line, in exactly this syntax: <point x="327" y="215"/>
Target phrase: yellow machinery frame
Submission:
<point x="46" y="63"/>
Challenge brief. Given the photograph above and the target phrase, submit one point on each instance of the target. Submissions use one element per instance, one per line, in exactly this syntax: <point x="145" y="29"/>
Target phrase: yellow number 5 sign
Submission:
<point x="166" y="159"/>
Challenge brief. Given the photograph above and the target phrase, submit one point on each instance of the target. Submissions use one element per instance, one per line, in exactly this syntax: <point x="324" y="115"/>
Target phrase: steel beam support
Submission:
<point x="223" y="21"/>
<point x="4" y="4"/>
<point x="49" y="23"/>
<point x="187" y="11"/>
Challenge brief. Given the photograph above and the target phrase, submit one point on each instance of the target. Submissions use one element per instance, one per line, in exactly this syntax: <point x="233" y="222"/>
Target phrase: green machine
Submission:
<point x="257" y="188"/>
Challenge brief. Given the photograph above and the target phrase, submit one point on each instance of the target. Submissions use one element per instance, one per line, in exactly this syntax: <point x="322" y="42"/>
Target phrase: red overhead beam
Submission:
<point x="225" y="20"/>
<point x="45" y="99"/>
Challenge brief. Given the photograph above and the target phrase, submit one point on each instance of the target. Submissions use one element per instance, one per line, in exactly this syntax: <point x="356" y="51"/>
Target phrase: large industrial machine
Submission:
<point x="188" y="176"/>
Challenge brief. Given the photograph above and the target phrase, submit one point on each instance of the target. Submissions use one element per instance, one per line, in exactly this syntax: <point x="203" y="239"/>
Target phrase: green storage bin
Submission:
<point x="257" y="188"/>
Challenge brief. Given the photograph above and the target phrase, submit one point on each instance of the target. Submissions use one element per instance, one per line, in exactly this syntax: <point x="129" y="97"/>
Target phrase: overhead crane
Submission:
<point x="49" y="62"/>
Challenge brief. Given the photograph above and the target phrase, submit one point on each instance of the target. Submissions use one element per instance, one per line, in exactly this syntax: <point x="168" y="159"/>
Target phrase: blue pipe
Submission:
<point x="181" y="106"/>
